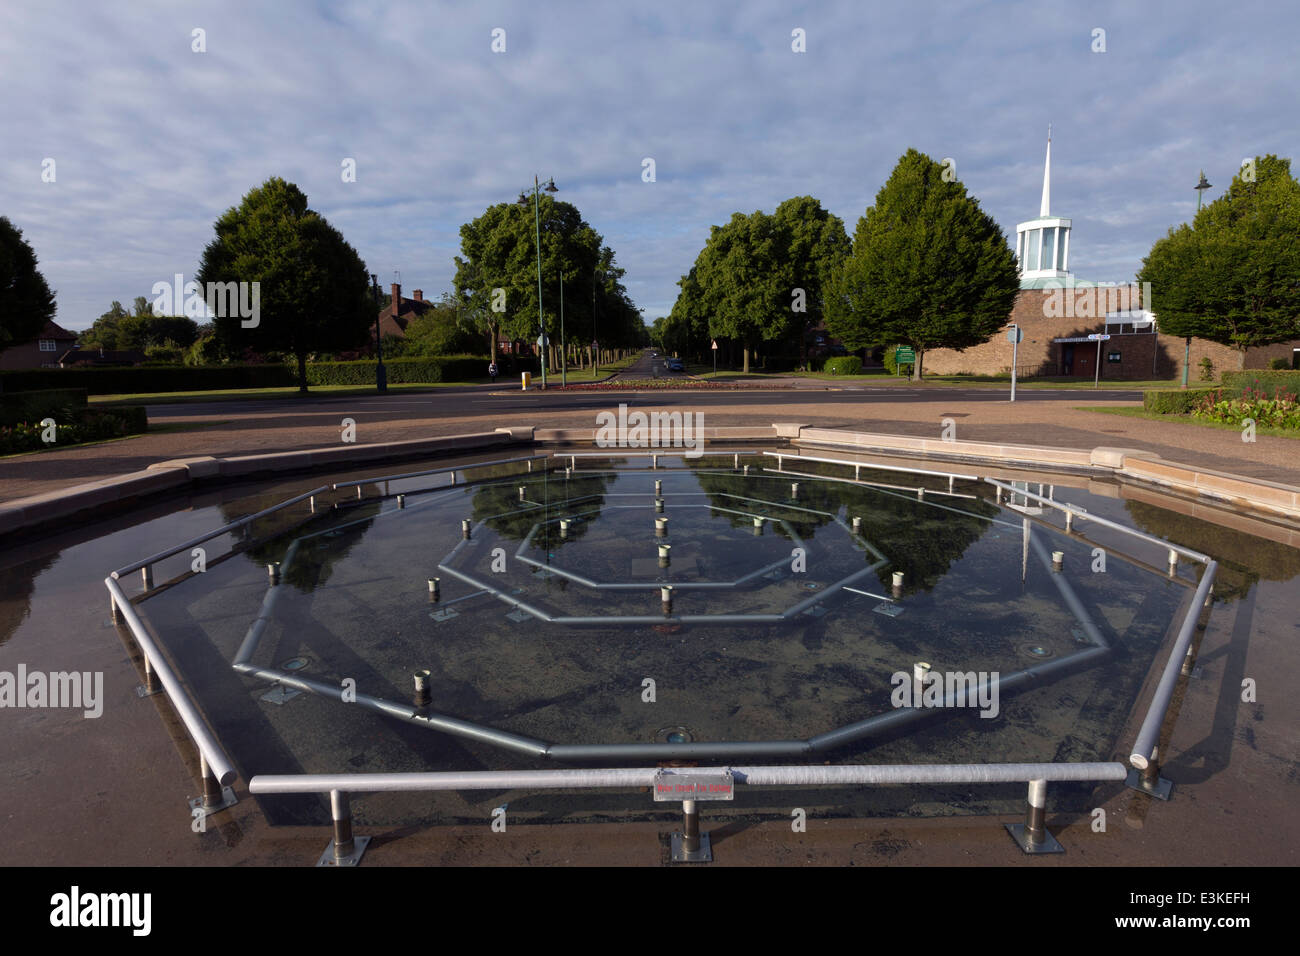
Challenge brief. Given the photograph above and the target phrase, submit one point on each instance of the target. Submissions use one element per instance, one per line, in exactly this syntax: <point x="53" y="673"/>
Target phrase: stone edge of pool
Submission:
<point x="123" y="492"/>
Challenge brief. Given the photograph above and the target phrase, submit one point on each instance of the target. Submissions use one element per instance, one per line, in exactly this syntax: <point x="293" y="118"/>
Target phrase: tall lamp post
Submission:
<point x="550" y="187"/>
<point x="381" y="373"/>
<point x="1187" y="343"/>
<point x="564" y="359"/>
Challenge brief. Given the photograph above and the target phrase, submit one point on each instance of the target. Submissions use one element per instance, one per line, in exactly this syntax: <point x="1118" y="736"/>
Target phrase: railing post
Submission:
<point x="213" y="796"/>
<point x="345" y="849"/>
<point x="1148" y="779"/>
<point x="151" y="683"/>
<point x="1032" y="836"/>
<point x="690" y="845"/>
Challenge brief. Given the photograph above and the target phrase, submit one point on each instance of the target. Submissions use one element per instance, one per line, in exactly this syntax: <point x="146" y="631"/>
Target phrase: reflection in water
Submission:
<point x="17" y="584"/>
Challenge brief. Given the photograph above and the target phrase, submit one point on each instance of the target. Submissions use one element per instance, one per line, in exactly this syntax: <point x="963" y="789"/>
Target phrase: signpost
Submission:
<point x="1098" y="338"/>
<point x="715" y="356"/>
<point x="1014" y="335"/>
<point x="903" y="355"/>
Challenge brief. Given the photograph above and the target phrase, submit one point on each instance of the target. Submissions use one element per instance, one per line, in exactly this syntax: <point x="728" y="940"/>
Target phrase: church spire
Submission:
<point x="1047" y="177"/>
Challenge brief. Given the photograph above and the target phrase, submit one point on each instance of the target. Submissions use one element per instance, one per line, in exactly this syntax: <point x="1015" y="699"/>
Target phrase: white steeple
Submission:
<point x="1043" y="244"/>
<point x="1047" y="178"/>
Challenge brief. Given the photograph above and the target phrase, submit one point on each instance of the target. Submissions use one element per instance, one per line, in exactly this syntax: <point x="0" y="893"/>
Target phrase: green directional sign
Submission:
<point x="904" y="356"/>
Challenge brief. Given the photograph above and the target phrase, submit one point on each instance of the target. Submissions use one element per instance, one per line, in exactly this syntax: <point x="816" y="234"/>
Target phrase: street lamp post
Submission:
<point x="1187" y="343"/>
<point x="381" y="373"/>
<point x="550" y="187"/>
<point x="564" y="358"/>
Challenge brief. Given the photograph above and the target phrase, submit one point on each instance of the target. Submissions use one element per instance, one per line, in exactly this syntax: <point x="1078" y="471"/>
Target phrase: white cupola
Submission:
<point x="1043" y="244"/>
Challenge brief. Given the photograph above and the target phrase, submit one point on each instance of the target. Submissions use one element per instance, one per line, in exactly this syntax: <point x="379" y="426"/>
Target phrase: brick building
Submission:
<point x="1057" y="312"/>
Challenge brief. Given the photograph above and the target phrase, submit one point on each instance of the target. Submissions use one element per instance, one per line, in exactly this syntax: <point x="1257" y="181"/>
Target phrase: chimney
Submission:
<point x="419" y="295"/>
<point x="397" y="298"/>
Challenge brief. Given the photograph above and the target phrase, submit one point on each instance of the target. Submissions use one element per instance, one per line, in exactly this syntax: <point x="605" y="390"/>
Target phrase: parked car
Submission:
<point x="675" y="365"/>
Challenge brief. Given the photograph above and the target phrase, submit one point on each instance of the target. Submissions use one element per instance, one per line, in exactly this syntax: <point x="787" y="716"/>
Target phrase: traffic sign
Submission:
<point x="715" y="345"/>
<point x="542" y="340"/>
<point x="1015" y="334"/>
<point x="904" y="355"/>
<point x="1097" y="337"/>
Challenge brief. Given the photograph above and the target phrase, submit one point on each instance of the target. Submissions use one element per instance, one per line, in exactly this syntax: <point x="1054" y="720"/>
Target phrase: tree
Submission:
<point x="314" y="290"/>
<point x="104" y="332"/>
<point x="499" y="252"/>
<point x="442" y="330"/>
<point x="816" y="247"/>
<point x="929" y="268"/>
<point x="745" y="277"/>
<point x="1233" y="276"/>
<point x="26" y="302"/>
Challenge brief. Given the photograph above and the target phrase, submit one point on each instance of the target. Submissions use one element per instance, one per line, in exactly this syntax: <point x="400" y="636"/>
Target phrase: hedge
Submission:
<point x="843" y="365"/>
<point x="1269" y="381"/>
<point x="57" y="403"/>
<point x="126" y="380"/>
<point x="1172" y="402"/>
<point x="442" y="368"/>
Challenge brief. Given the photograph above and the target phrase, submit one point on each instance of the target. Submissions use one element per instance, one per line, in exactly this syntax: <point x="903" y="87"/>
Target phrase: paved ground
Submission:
<point x="1041" y="417"/>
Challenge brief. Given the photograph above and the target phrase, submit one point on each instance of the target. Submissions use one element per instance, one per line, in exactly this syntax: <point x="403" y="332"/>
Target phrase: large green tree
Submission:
<point x="26" y="302"/>
<point x="1233" y="275"/>
<point x="929" y="268"/>
<point x="499" y="252"/>
<point x="816" y="246"/>
<point x="314" y="290"/>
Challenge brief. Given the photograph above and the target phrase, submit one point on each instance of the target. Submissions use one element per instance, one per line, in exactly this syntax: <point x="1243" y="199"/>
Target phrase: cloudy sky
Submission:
<point x="152" y="141"/>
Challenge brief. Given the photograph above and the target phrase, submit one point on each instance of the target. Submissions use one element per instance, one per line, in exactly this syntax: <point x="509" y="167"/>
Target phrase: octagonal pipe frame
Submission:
<point x="222" y="769"/>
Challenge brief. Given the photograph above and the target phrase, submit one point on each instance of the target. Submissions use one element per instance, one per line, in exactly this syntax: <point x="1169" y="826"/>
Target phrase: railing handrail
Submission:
<point x="1105" y="522"/>
<point x="222" y="769"/>
<point x="224" y="529"/>
<point x="779" y="455"/>
<point x="627" y="777"/>
<point x="435" y="471"/>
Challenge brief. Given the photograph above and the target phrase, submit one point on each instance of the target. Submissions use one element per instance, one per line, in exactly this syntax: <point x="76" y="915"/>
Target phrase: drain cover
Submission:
<point x="1037" y="650"/>
<point x="674" y="735"/>
<point x="295" y="664"/>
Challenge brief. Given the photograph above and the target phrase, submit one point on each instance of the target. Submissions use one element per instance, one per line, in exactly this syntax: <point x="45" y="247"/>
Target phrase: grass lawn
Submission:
<point x="1129" y="411"/>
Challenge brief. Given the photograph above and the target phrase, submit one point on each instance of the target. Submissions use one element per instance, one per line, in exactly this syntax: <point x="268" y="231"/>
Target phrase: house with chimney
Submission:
<point x="398" y="315"/>
<point x="41" y="352"/>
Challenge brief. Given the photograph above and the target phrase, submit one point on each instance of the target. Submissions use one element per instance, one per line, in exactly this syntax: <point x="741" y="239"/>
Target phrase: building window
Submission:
<point x="49" y="345"/>
<point x="1032" y="258"/>
<point x="1049" y="247"/>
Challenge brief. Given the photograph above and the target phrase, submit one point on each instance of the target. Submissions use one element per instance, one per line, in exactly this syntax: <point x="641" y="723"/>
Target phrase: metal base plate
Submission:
<point x="703" y="855"/>
<point x="1161" y="791"/>
<point x="888" y="609"/>
<point x="444" y="614"/>
<point x="143" y="691"/>
<point x="1021" y="836"/>
<point x="227" y="800"/>
<point x="280" y="695"/>
<point x="519" y="616"/>
<point x="359" y="844"/>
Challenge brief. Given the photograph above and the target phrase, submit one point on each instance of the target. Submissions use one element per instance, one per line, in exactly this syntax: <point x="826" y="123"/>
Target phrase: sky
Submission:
<point x="152" y="139"/>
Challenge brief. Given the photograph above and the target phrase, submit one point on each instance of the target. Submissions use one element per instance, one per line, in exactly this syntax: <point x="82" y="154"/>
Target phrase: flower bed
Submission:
<point x="692" y="384"/>
<point x="86" y="425"/>
<point x="1279" y="411"/>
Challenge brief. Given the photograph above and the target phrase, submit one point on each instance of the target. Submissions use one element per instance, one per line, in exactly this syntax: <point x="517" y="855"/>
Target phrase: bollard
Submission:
<point x="746" y="471"/>
<point x="794" y="489"/>
<point x="735" y="460"/>
<point x="1069" y="522"/>
<point x="663" y="554"/>
<point x="857" y="526"/>
<point x="434" y="594"/>
<point x="401" y="501"/>
<point x="1032" y="836"/>
<point x="564" y="527"/>
<point x="523" y="493"/>
<point x="423" y="693"/>
<point x="920" y="671"/>
<point x="273" y="572"/>
<point x="465" y="526"/>
<point x="666" y="598"/>
<point x="1058" y="560"/>
<point x="659" y="506"/>
<point x="1173" y="562"/>
<point x="659" y="487"/>
<point x="661" y="527"/>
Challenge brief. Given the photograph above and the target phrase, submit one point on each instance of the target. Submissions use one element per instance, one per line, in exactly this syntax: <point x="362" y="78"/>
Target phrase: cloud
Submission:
<point x="154" y="141"/>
